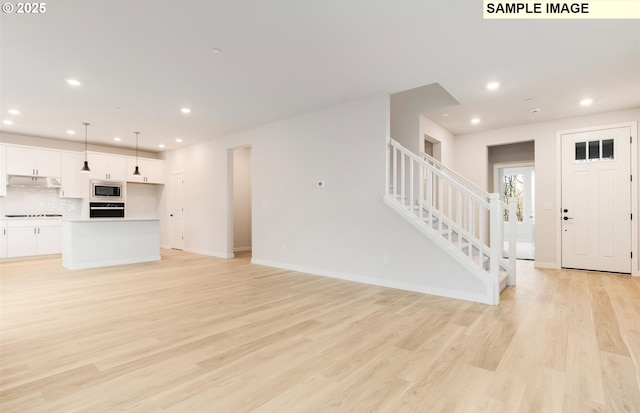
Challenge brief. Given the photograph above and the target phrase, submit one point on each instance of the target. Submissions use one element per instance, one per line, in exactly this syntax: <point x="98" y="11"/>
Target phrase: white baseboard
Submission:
<point x="216" y="254"/>
<point x="425" y="289"/>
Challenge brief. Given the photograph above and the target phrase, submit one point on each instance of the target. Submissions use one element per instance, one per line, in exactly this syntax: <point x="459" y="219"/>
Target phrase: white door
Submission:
<point x="519" y="182"/>
<point x="596" y="200"/>
<point x="176" y="194"/>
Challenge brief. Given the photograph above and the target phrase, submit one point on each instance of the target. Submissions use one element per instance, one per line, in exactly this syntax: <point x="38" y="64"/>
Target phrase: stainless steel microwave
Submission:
<point x="107" y="191"/>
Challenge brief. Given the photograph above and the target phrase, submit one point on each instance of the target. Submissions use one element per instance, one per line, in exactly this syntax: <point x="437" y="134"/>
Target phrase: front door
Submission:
<point x="596" y="200"/>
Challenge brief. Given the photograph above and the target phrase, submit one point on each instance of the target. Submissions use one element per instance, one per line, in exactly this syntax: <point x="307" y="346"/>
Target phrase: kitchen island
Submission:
<point x="102" y="242"/>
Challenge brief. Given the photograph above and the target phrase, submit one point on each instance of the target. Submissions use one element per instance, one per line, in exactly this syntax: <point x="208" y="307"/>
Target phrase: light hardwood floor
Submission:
<point x="199" y="334"/>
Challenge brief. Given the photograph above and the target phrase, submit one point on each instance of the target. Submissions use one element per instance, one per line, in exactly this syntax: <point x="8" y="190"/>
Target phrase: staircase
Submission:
<point x="463" y="219"/>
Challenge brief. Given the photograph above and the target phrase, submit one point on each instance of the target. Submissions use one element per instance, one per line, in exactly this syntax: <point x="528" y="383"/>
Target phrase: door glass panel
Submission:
<point x="513" y="187"/>
<point x="581" y="151"/>
<point x="607" y="149"/>
<point x="594" y="149"/>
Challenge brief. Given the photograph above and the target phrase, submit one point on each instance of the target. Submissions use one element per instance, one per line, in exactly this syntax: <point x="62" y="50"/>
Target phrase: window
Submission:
<point x="607" y="149"/>
<point x="594" y="149"/>
<point x="597" y="150"/>
<point x="581" y="151"/>
<point x="513" y="187"/>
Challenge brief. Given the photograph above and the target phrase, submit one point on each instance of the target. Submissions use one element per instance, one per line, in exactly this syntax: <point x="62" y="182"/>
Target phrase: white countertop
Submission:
<point x="109" y="219"/>
<point x="30" y="218"/>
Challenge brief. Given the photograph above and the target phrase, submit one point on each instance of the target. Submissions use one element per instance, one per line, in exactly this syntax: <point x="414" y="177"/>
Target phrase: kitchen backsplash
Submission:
<point x="38" y="201"/>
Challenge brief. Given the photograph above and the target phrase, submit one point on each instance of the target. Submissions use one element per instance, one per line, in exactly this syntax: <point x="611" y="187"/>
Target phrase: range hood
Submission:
<point x="33" y="181"/>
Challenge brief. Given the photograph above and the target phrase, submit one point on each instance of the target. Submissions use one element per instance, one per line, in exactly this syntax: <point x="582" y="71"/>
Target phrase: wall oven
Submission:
<point x="104" y="191"/>
<point x="106" y="209"/>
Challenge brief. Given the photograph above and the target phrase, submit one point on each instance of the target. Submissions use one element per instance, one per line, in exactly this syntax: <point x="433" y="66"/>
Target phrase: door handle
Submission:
<point x="567" y="218"/>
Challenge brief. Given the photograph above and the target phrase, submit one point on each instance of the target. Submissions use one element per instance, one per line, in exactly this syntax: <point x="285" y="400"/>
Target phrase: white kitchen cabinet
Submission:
<point x="75" y="184"/>
<point x="151" y="170"/>
<point x="28" y="161"/>
<point x="22" y="242"/>
<point x="3" y="238"/>
<point x="33" y="237"/>
<point x="49" y="240"/>
<point x="3" y="170"/>
<point x="107" y="167"/>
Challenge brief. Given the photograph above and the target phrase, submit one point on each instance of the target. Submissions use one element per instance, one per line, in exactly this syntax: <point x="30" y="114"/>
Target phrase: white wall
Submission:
<point x="344" y="229"/>
<point x="471" y="162"/>
<point x="143" y="200"/>
<point x="446" y="139"/>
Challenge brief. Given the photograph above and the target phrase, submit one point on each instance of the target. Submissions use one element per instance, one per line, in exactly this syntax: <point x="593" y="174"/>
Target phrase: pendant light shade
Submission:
<point x="85" y="167"/>
<point x="136" y="172"/>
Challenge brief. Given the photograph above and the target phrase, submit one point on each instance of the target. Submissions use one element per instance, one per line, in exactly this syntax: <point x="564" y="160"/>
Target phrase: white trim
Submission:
<point x="633" y="130"/>
<point x="635" y="263"/>
<point x="379" y="282"/>
<point x="210" y="253"/>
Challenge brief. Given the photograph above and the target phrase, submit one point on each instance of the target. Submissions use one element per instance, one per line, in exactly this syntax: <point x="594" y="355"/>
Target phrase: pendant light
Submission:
<point x="137" y="171"/>
<point x="85" y="167"/>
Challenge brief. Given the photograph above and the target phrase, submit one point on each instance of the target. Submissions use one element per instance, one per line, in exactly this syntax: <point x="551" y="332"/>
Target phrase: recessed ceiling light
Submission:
<point x="586" y="102"/>
<point x="161" y="145"/>
<point x="179" y="140"/>
<point x="536" y="110"/>
<point x="14" y="111"/>
<point x="7" y="122"/>
<point x="185" y="110"/>
<point x="73" y="82"/>
<point x="117" y="139"/>
<point x="493" y="85"/>
<point x="71" y="132"/>
<point x="475" y="121"/>
<point x="528" y="100"/>
<point x="444" y="115"/>
<point x="216" y="50"/>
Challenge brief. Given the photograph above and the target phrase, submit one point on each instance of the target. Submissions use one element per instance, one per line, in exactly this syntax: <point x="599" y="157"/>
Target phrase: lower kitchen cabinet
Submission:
<point x="28" y="237"/>
<point x="3" y="239"/>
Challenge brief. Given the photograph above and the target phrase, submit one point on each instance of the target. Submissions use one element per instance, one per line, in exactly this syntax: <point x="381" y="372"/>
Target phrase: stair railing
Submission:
<point x="452" y="207"/>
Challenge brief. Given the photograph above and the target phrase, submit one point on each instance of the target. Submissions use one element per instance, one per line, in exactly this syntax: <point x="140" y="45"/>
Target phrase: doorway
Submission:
<point x="596" y="200"/>
<point x="176" y="213"/>
<point x="240" y="197"/>
<point x="518" y="182"/>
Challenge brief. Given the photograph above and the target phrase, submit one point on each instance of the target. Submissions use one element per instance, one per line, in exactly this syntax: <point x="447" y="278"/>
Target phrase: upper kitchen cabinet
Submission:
<point x="74" y="183"/>
<point x="151" y="171"/>
<point x="107" y="167"/>
<point x="32" y="162"/>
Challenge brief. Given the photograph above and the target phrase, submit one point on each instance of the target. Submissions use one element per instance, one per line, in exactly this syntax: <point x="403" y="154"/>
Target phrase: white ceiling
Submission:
<point x="140" y="61"/>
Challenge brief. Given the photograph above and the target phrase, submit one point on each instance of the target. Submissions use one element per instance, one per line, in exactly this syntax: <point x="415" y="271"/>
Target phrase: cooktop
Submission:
<point x="32" y="215"/>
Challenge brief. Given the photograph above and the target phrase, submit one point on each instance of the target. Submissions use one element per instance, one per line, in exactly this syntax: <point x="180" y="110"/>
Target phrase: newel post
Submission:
<point x="495" y="243"/>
